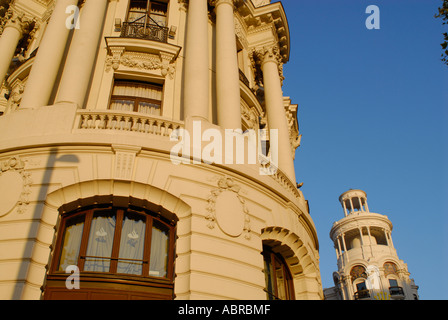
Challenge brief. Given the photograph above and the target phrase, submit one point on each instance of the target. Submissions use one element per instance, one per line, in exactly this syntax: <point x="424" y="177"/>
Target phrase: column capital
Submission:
<point x="265" y="54"/>
<point x="15" y="19"/>
<point x="216" y="3"/>
<point x="183" y="4"/>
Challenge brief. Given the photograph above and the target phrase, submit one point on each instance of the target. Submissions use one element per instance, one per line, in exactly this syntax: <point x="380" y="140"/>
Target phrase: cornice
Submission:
<point x="358" y="220"/>
<point x="270" y="15"/>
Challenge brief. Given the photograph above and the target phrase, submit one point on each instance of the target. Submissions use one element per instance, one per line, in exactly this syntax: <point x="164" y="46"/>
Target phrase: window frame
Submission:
<point x="114" y="259"/>
<point x="135" y="99"/>
<point x="147" y="14"/>
<point x="273" y="258"/>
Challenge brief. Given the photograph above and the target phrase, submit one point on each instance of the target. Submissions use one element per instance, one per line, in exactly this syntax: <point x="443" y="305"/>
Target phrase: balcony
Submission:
<point x="122" y="121"/>
<point x="396" y="292"/>
<point x="244" y="79"/>
<point x="362" y="295"/>
<point x="145" y="31"/>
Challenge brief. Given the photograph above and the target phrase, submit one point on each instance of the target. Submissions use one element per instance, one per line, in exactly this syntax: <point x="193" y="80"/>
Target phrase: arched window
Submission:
<point x="358" y="275"/>
<point x="124" y="245"/>
<point x="278" y="278"/>
<point x="390" y="268"/>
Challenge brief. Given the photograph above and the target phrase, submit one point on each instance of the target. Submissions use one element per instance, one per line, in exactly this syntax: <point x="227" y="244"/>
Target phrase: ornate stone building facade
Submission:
<point x="368" y="264"/>
<point x="93" y="96"/>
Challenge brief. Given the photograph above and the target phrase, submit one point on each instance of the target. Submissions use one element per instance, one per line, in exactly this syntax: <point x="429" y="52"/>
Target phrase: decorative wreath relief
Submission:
<point x="228" y="209"/>
<point x="15" y="186"/>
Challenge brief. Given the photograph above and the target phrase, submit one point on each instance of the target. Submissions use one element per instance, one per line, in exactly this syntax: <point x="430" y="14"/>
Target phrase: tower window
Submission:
<point x="278" y="278"/>
<point x="137" y="96"/>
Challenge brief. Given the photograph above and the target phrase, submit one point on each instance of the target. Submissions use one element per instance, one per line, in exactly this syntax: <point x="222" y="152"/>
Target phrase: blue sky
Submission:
<point x="373" y="114"/>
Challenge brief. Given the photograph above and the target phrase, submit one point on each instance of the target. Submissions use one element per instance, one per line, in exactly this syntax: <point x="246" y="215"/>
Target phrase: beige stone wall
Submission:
<point x="214" y="260"/>
<point x="54" y="154"/>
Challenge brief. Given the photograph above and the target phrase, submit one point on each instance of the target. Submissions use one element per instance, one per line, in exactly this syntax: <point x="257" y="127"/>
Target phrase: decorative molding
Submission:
<point x="262" y="55"/>
<point x="15" y="95"/>
<point x="141" y="61"/>
<point x="17" y="181"/>
<point x="295" y="137"/>
<point x="226" y="184"/>
<point x="259" y="3"/>
<point x="16" y="19"/>
<point x="125" y="161"/>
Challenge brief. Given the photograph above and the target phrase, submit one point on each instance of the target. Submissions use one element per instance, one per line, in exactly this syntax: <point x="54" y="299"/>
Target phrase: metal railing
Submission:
<point x="144" y="31"/>
<point x="396" y="291"/>
<point x="362" y="294"/>
<point x="244" y="79"/>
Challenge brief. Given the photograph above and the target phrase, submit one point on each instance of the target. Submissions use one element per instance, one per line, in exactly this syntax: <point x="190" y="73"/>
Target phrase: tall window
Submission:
<point x="147" y="19"/>
<point x="137" y="96"/>
<point x="278" y="278"/>
<point x="116" y="241"/>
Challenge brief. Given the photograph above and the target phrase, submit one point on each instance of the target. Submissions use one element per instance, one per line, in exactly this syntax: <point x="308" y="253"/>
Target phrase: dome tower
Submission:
<point x="368" y="263"/>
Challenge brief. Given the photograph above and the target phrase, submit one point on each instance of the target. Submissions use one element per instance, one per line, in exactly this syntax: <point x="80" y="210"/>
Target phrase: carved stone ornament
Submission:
<point x="141" y="61"/>
<point x="15" y="186"/>
<point x="262" y="55"/>
<point x="259" y="3"/>
<point x="228" y="209"/>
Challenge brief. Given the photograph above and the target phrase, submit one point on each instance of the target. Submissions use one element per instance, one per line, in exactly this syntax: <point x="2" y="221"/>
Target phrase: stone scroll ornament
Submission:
<point x="227" y="208"/>
<point x="15" y="186"/>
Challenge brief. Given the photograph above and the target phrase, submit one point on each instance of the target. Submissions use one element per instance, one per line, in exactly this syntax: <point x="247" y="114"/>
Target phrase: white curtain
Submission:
<point x="132" y="245"/>
<point x="134" y="90"/>
<point x="100" y="243"/>
<point x="159" y="250"/>
<point x="72" y="243"/>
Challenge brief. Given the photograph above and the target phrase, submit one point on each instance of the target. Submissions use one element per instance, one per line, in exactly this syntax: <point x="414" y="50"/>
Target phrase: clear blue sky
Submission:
<point x="373" y="114"/>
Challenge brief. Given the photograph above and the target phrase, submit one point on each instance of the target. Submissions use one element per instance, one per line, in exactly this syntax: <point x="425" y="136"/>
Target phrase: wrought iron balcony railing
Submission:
<point x="396" y="291"/>
<point x="244" y="79"/>
<point x="144" y="31"/>
<point x="362" y="294"/>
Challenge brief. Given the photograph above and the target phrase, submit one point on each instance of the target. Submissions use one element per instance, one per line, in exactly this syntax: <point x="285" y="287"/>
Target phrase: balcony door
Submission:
<point x="148" y="12"/>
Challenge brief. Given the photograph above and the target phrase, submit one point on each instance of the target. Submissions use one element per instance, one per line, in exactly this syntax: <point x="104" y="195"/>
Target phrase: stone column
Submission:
<point x="81" y="57"/>
<point x="48" y="59"/>
<point x="271" y="64"/>
<point x="366" y="206"/>
<point x="352" y="206"/>
<point x="339" y="247"/>
<point x="227" y="70"/>
<point x="345" y="207"/>
<point x="345" y="248"/>
<point x="360" y="204"/>
<point x="196" y="87"/>
<point x="12" y="33"/>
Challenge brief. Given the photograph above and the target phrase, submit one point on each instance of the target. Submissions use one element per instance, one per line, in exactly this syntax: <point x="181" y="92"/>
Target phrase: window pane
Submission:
<point x="137" y="9"/>
<point x="393" y="283"/>
<point x="158" y="261"/>
<point x="122" y="105"/>
<point x="71" y="242"/>
<point x="361" y="286"/>
<point x="281" y="280"/>
<point x="269" y="277"/>
<point x="132" y="244"/>
<point x="101" y="238"/>
<point x="149" y="108"/>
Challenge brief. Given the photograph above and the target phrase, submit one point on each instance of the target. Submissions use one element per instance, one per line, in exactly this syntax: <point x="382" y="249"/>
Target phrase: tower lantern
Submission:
<point x="368" y="264"/>
<point x="354" y="201"/>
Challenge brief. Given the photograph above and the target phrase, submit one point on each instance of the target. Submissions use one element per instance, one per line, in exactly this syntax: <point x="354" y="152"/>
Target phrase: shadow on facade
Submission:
<point x="52" y="161"/>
